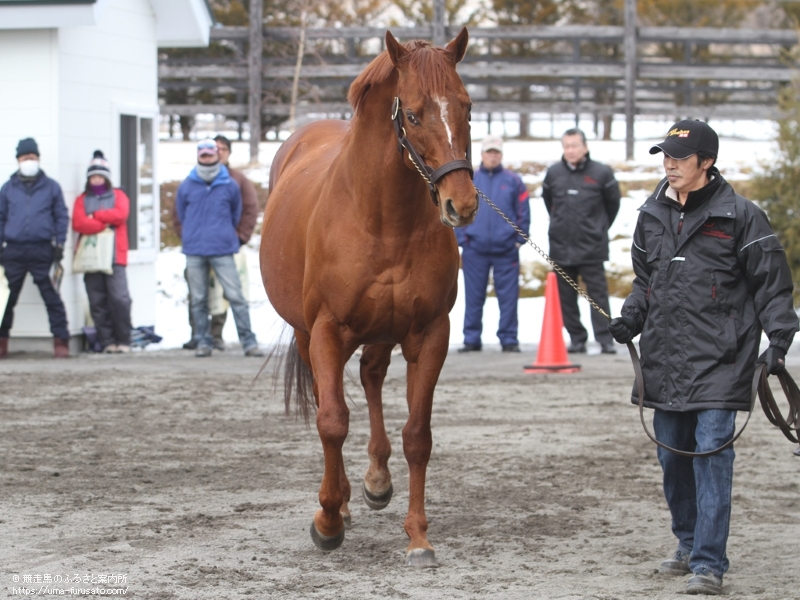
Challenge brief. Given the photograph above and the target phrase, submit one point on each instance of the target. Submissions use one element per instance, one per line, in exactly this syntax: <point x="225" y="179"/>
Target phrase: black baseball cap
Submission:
<point x="686" y="138"/>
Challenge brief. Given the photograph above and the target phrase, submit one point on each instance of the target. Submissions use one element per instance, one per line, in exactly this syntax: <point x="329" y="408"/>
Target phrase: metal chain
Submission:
<point x="544" y="255"/>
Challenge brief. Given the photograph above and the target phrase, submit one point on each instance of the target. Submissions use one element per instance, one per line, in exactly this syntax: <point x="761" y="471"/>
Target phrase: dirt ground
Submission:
<point x="184" y="476"/>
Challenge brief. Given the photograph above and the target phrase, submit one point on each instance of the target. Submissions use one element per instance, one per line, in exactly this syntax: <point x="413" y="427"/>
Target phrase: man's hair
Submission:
<point x="575" y="131"/>
<point x="224" y="140"/>
<point x="702" y="155"/>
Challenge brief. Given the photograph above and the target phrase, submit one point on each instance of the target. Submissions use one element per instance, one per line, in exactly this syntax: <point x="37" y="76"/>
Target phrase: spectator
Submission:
<point x="582" y="197"/>
<point x="491" y="244"/>
<point x="244" y="230"/>
<point x="710" y="275"/>
<point x="208" y="209"/>
<point x="33" y="228"/>
<point x="99" y="207"/>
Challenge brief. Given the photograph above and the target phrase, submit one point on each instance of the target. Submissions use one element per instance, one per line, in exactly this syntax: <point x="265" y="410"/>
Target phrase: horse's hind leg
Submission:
<point x="327" y="363"/>
<point x="377" y="488"/>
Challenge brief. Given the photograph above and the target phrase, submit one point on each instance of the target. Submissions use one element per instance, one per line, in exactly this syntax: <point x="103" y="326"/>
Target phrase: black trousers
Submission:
<point x="594" y="277"/>
<point x="110" y="305"/>
<point x="36" y="259"/>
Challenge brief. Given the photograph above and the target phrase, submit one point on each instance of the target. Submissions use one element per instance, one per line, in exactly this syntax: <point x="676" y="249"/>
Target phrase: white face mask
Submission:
<point x="29" y="168"/>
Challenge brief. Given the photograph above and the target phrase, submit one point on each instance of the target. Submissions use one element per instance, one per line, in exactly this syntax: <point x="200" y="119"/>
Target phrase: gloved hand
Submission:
<point x="58" y="253"/>
<point x="622" y="329"/>
<point x="773" y="357"/>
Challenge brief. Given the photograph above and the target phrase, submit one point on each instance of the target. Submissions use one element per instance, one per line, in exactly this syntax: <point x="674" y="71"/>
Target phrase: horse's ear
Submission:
<point x="458" y="47"/>
<point x="395" y="49"/>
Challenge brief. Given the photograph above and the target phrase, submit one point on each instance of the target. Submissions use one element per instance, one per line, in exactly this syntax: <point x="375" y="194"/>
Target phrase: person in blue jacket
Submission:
<point x="33" y="228"/>
<point x="491" y="244"/>
<point x="208" y="208"/>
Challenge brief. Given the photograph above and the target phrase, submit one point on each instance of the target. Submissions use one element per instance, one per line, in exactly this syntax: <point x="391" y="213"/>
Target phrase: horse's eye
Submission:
<point x="411" y="118"/>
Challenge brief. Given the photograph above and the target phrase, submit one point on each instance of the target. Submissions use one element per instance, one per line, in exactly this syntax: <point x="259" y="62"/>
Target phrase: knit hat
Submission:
<point x="27" y="146"/>
<point x="99" y="166"/>
<point x="492" y="142"/>
<point x="207" y="148"/>
<point x="686" y="138"/>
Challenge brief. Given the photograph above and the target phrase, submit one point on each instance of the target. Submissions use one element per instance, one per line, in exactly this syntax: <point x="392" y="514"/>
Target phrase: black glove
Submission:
<point x="58" y="253"/>
<point x="773" y="358"/>
<point x="622" y="329"/>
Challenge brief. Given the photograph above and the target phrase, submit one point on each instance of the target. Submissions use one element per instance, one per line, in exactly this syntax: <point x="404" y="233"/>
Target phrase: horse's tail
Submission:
<point x="298" y="383"/>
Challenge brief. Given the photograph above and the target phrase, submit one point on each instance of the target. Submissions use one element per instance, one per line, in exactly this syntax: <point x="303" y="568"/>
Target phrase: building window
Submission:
<point x="136" y="179"/>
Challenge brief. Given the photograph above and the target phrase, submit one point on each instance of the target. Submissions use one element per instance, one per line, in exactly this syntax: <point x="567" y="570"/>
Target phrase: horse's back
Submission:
<point x="314" y="144"/>
<point x="297" y="176"/>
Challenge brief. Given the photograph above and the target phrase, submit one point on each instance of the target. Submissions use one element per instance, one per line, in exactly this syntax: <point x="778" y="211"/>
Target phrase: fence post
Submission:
<point x="438" y="23"/>
<point x="630" y="75"/>
<point x="254" y="76"/>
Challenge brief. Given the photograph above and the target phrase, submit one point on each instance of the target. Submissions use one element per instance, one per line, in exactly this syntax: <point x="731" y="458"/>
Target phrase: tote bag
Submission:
<point x="95" y="253"/>
<point x="4" y="291"/>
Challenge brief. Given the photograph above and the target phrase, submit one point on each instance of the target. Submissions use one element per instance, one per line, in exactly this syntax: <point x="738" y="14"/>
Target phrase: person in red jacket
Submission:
<point x="99" y="207"/>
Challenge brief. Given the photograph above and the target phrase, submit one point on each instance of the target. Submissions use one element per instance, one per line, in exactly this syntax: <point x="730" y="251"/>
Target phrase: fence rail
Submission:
<point x="572" y="78"/>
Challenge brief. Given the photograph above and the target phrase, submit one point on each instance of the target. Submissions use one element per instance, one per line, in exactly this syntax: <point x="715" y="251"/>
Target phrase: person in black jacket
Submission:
<point x="582" y="197"/>
<point x="33" y="228"/>
<point x="710" y="275"/>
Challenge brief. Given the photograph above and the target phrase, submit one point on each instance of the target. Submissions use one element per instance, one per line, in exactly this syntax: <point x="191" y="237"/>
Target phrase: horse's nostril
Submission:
<point x="451" y="210"/>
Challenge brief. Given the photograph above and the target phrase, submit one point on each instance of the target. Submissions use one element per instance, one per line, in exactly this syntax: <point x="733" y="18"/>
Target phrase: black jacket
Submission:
<point x="709" y="276"/>
<point x="583" y="203"/>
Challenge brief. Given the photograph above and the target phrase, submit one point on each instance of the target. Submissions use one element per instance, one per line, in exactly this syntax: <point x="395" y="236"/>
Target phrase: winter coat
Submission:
<point x="208" y="214"/>
<point x="35" y="213"/>
<point x="709" y="277"/>
<point x="583" y="203"/>
<point x="489" y="233"/>
<point x="247" y="222"/>
<point x="93" y="214"/>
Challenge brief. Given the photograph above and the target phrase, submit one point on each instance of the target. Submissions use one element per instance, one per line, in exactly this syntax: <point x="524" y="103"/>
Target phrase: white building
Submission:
<point x="81" y="75"/>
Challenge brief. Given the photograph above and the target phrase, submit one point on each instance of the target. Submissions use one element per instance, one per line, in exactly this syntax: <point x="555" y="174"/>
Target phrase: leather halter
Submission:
<point x="430" y="174"/>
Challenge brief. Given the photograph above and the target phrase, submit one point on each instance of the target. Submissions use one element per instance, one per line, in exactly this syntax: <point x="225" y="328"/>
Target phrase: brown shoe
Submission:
<point x="3" y="347"/>
<point x="60" y="348"/>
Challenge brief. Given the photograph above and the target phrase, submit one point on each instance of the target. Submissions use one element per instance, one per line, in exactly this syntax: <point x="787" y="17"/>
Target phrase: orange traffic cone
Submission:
<point x="552" y="356"/>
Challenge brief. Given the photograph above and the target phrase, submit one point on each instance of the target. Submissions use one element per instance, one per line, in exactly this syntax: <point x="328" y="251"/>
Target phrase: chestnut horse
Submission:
<point x="353" y="252"/>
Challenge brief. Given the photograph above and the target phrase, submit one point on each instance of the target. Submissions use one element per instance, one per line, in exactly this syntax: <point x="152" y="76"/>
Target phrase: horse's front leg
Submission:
<point x="377" y="487"/>
<point x="425" y="354"/>
<point x="327" y="363"/>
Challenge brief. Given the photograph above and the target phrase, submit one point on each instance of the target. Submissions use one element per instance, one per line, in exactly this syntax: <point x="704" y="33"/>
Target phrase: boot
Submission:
<point x="3" y="347"/>
<point x="60" y="348"/>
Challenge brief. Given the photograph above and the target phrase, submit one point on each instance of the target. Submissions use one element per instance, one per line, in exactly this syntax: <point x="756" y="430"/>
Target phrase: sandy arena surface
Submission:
<point x="184" y="476"/>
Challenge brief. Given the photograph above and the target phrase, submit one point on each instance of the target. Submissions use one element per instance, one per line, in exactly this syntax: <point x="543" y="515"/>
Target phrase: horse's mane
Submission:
<point x="431" y="63"/>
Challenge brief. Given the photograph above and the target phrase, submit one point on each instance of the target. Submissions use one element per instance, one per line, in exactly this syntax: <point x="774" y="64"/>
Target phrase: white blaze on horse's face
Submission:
<point x="442" y="104"/>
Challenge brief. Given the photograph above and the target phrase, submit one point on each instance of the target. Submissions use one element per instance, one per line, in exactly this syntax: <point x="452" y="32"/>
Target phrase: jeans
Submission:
<point x="225" y="270"/>
<point x="698" y="490"/>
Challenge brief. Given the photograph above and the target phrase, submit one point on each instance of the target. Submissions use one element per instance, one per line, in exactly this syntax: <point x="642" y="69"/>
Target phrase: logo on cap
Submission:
<point x="684" y="133"/>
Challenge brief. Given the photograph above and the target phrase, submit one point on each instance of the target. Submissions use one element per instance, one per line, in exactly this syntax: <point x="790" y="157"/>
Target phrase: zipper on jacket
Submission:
<point x="713" y="292"/>
<point x="680" y="224"/>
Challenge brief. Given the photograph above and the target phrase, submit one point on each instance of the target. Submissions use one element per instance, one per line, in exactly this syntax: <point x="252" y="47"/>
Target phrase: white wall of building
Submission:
<point x="66" y="87"/>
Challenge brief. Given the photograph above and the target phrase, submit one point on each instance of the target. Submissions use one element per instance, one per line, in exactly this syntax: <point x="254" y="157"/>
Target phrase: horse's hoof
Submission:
<point x="377" y="502"/>
<point x="421" y="557"/>
<point x="348" y="520"/>
<point x="325" y="543"/>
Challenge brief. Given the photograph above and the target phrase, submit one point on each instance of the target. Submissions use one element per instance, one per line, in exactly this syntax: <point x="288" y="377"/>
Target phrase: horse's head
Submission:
<point x="432" y="121"/>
